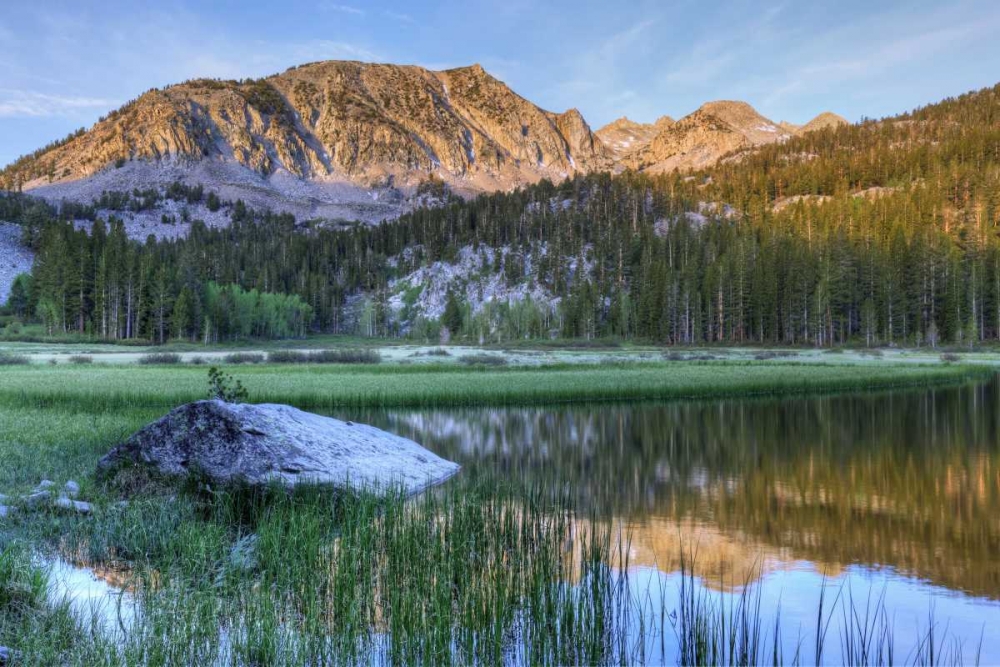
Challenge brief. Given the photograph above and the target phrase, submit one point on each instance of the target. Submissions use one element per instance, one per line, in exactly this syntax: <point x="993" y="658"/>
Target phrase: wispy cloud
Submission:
<point x="325" y="49"/>
<point x="344" y="9"/>
<point x="27" y="103"/>
<point x="598" y="68"/>
<point x="397" y="16"/>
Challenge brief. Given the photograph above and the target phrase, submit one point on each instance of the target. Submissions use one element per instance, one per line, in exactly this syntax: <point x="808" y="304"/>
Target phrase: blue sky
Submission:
<point x="64" y="64"/>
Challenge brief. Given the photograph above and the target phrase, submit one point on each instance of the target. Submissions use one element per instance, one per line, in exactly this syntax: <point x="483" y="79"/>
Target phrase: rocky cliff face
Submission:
<point x="701" y="138"/>
<point x="346" y="119"/>
<point x="624" y="136"/>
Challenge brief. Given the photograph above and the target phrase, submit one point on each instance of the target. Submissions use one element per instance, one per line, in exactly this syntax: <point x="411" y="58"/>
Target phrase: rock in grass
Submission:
<point x="5" y="511"/>
<point x="36" y="499"/>
<point x="44" y="485"/>
<point x="7" y="655"/>
<point x="72" y="489"/>
<point x="77" y="506"/>
<point x="263" y="444"/>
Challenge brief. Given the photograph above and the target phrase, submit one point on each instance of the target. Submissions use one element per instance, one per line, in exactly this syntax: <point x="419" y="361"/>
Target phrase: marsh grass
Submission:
<point x="317" y="386"/>
<point x="468" y="575"/>
<point x="738" y="630"/>
<point x="472" y="575"/>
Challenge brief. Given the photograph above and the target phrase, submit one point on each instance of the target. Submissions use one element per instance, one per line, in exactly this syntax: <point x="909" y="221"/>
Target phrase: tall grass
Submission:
<point x="105" y="387"/>
<point x="478" y="575"/>
<point x="737" y="630"/>
<point x="475" y="575"/>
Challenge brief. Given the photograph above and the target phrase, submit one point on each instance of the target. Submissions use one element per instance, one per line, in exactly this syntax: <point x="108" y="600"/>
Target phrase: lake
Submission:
<point x="887" y="502"/>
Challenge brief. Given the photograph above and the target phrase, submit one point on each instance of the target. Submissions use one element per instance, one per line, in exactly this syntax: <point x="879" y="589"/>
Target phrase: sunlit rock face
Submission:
<point x="355" y="121"/>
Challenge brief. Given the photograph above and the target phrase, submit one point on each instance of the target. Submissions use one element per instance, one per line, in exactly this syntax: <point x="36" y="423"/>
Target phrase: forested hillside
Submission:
<point x="877" y="233"/>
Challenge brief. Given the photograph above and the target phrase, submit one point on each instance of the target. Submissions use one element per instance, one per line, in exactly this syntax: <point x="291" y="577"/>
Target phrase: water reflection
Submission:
<point x="907" y="480"/>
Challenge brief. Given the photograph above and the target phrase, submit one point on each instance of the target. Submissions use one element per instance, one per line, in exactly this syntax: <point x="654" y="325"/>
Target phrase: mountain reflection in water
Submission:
<point x="906" y="480"/>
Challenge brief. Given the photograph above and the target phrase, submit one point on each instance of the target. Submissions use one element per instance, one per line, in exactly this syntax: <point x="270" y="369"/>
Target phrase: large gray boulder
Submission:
<point x="263" y="444"/>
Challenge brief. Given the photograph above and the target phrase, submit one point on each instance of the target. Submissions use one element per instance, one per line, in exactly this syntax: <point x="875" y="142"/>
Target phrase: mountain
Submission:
<point x="339" y="140"/>
<point x="699" y="139"/>
<point x="624" y="136"/>
<point x="331" y="122"/>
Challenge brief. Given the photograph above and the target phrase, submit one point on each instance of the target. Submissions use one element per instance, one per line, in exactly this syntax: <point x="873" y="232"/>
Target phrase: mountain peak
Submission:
<point x="699" y="139"/>
<point x="824" y="120"/>
<point x="624" y="135"/>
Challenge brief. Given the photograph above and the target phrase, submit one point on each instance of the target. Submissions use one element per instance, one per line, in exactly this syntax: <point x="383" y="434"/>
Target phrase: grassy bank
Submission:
<point x="97" y="387"/>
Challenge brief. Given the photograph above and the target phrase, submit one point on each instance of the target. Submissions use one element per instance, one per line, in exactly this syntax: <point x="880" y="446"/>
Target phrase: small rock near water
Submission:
<point x="262" y="444"/>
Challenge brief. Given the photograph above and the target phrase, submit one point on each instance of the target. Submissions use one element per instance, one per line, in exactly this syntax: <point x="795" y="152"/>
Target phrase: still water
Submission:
<point x="892" y="499"/>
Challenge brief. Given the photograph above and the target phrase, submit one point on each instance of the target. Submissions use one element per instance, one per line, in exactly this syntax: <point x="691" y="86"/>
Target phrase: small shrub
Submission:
<point x="438" y="352"/>
<point x="483" y="360"/>
<point x="324" y="357"/>
<point x="223" y="387"/>
<point x="950" y="357"/>
<point x="197" y="361"/>
<point x="871" y="353"/>
<point x="80" y="359"/>
<point x="345" y="357"/>
<point x="772" y="354"/>
<point x="160" y="359"/>
<point x="244" y="358"/>
<point x="11" y="359"/>
<point x="287" y="357"/>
